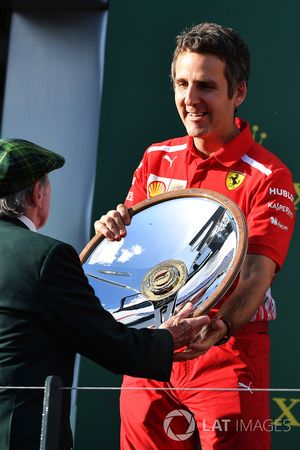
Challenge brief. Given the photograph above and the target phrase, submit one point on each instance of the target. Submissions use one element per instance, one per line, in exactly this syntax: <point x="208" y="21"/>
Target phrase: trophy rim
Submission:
<point x="223" y="200"/>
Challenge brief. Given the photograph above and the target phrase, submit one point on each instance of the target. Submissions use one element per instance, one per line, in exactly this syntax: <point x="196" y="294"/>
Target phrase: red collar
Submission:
<point x="237" y="147"/>
<point x="234" y="149"/>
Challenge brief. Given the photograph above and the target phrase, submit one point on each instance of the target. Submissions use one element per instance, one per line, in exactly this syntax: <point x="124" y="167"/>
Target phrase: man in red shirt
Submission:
<point x="210" y="71"/>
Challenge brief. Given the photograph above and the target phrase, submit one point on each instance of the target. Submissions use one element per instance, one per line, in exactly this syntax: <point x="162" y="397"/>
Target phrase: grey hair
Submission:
<point x="17" y="204"/>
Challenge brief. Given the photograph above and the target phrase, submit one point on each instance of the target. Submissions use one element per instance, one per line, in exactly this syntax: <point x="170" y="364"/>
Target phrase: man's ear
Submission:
<point x="240" y="93"/>
<point x="37" y="194"/>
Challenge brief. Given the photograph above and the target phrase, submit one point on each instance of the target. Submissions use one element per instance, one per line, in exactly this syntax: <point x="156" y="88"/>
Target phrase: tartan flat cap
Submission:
<point x="22" y="163"/>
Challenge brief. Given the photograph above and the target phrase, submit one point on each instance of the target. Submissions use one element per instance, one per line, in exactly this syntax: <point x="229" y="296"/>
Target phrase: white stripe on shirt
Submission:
<point x="167" y="148"/>
<point x="257" y="165"/>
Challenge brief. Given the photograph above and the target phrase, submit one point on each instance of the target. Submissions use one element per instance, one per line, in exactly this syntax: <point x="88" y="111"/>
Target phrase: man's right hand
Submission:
<point x="185" y="330"/>
<point x="113" y="224"/>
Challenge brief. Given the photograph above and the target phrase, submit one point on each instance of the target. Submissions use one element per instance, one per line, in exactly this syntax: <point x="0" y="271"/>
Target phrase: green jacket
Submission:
<point x="48" y="313"/>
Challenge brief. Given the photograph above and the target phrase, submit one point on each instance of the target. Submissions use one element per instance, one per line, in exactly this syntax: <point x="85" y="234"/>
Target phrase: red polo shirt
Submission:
<point x="242" y="170"/>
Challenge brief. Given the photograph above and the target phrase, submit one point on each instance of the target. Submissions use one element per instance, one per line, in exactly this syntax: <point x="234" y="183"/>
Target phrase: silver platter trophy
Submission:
<point x="186" y="245"/>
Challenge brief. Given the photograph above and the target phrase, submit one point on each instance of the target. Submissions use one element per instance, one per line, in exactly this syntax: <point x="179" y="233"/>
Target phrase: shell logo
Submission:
<point x="156" y="188"/>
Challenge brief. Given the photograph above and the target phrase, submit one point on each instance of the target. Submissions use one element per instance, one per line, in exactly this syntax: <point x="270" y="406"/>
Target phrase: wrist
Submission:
<point x="227" y="336"/>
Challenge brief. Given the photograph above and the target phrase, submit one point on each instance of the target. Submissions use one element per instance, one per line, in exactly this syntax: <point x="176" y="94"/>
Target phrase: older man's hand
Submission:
<point x="209" y="336"/>
<point x="185" y="330"/>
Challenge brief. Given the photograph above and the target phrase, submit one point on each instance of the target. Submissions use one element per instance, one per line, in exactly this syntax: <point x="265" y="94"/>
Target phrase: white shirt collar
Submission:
<point x="28" y="223"/>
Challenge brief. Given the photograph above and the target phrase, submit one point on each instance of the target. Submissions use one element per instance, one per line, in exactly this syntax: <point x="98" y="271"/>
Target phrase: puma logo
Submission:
<point x="170" y="160"/>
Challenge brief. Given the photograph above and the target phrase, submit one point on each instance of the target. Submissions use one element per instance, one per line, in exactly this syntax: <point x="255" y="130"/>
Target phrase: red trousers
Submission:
<point x="156" y="418"/>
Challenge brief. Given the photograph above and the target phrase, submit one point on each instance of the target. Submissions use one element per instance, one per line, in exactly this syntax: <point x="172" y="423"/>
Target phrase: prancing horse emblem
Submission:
<point x="234" y="180"/>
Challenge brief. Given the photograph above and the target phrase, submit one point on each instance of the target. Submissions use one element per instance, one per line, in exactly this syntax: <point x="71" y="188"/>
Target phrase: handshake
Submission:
<point x="196" y="334"/>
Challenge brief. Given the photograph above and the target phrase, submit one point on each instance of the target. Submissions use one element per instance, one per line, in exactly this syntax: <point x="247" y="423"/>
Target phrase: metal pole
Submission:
<point x="51" y="413"/>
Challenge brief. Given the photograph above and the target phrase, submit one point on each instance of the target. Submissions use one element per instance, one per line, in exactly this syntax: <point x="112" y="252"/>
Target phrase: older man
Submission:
<point x="48" y="311"/>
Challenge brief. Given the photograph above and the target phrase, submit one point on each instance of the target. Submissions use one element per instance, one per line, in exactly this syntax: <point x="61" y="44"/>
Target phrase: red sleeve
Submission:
<point x="138" y="189"/>
<point x="272" y="217"/>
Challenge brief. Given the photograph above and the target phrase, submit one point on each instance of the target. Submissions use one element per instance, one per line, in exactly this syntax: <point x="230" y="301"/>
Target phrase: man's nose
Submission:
<point x="191" y="95"/>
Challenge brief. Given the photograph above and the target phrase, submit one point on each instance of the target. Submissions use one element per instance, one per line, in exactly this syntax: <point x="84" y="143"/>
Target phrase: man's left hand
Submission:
<point x="210" y="335"/>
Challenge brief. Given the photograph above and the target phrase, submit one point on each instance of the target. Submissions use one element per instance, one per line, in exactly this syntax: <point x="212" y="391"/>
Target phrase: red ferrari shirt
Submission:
<point x="242" y="170"/>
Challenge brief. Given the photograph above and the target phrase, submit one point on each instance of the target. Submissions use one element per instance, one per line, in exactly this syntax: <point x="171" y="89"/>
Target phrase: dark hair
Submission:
<point x="225" y="43"/>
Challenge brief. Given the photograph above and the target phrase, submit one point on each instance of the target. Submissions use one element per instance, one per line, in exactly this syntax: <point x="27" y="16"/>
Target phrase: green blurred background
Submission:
<point x="51" y="67"/>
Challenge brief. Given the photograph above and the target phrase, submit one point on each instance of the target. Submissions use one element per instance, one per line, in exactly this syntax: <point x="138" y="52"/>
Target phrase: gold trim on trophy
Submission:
<point x="164" y="280"/>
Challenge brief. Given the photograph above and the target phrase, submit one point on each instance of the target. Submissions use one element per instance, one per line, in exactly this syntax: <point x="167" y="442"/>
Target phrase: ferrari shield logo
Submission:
<point x="234" y="180"/>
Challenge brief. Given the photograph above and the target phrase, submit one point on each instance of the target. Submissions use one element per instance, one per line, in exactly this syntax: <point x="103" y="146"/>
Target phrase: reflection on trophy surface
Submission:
<point x="183" y="246"/>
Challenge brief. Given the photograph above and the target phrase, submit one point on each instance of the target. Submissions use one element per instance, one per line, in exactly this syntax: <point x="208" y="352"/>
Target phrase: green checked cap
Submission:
<point x="22" y="163"/>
